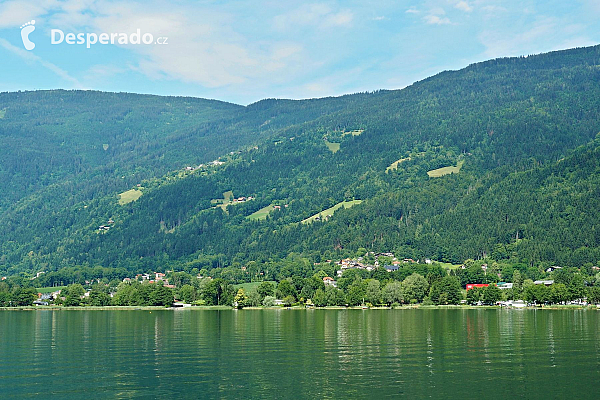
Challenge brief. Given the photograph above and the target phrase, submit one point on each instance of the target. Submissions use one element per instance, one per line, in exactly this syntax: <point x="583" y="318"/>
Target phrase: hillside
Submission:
<point x="510" y="146"/>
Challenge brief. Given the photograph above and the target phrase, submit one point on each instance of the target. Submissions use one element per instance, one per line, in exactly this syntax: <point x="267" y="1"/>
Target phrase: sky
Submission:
<point x="242" y="51"/>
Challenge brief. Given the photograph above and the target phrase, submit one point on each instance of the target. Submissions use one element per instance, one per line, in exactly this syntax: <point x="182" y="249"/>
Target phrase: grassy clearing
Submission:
<point x="251" y="286"/>
<point x="329" y="212"/>
<point x="228" y="196"/>
<point x="436" y="173"/>
<point x="394" y="165"/>
<point x="356" y="132"/>
<point x="261" y="214"/>
<point x="49" y="289"/>
<point x="333" y="147"/>
<point x="225" y="201"/>
<point x="129" y="196"/>
<point x="448" y="266"/>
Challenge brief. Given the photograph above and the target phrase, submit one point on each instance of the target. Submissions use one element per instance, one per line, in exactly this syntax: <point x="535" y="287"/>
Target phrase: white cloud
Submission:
<point x="15" y="13"/>
<point x="32" y="58"/>
<point x="343" y="18"/>
<point x="317" y="15"/>
<point x="436" y="20"/>
<point x="100" y="72"/>
<point x="545" y="34"/>
<point x="464" y="6"/>
<point x="203" y="48"/>
<point x="412" y="10"/>
<point x="493" y="9"/>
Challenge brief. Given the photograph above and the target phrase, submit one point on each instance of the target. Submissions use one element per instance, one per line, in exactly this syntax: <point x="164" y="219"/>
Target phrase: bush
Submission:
<point x="269" y="301"/>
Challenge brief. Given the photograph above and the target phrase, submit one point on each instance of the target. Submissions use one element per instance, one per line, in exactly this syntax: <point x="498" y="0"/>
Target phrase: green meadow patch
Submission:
<point x="261" y="214"/>
<point x="227" y="200"/>
<point x="228" y="196"/>
<point x="394" y="165"/>
<point x="329" y="212"/>
<point x="333" y="147"/>
<point x="436" y="173"/>
<point x="251" y="285"/>
<point x="49" y="289"/>
<point x="129" y="196"/>
<point x="356" y="132"/>
<point x="448" y="266"/>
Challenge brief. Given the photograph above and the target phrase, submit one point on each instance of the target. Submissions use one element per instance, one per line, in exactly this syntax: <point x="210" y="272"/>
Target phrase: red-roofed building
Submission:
<point x="474" y="285"/>
<point x="329" y="281"/>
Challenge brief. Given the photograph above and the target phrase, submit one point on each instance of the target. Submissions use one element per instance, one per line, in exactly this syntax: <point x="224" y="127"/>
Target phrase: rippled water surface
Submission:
<point x="301" y="354"/>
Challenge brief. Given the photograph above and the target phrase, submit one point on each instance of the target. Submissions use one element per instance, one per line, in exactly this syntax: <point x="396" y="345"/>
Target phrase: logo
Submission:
<point x="89" y="39"/>
<point x="26" y="29"/>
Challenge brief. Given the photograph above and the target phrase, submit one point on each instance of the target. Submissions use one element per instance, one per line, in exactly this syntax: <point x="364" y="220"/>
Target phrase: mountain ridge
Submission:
<point x="500" y="117"/>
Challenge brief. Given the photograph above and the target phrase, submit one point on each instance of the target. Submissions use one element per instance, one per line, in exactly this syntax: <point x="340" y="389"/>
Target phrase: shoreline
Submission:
<point x="223" y="308"/>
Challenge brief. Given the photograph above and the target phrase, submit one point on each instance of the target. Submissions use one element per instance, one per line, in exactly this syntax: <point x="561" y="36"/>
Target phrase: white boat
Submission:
<point x="518" y="304"/>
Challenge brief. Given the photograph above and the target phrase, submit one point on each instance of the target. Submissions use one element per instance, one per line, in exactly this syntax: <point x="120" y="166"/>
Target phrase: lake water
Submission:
<point x="301" y="354"/>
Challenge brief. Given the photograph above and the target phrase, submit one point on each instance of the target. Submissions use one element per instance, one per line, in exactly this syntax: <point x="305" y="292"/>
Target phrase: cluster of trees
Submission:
<point x="302" y="283"/>
<point x="352" y="290"/>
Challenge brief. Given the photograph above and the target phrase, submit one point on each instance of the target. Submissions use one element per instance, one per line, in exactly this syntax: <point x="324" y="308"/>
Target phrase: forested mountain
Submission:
<point x="520" y="135"/>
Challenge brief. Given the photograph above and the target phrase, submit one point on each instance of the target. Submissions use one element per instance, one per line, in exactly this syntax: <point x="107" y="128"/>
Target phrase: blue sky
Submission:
<point x="245" y="50"/>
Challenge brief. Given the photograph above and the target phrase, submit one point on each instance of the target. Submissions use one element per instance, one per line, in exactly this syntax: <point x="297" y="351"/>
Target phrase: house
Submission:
<point x="329" y="281"/>
<point x="40" y="303"/>
<point x="345" y="261"/>
<point x="278" y="302"/>
<point x="476" y="285"/>
<point x="552" y="268"/>
<point x="544" y="282"/>
<point x="127" y="280"/>
<point x="504" y="285"/>
<point x="159" y="276"/>
<point x="391" y="268"/>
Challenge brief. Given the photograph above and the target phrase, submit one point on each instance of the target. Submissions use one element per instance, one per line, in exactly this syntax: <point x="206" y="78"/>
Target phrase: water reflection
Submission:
<point x="300" y="354"/>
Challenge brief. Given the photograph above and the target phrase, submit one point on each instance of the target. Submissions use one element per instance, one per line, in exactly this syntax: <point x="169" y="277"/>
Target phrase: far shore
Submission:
<point x="213" y="308"/>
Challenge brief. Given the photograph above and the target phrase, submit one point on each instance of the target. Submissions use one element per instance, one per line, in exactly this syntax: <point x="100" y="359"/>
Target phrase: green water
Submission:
<point x="300" y="354"/>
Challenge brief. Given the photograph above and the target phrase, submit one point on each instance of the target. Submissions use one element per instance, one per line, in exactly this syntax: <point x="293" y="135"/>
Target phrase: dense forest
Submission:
<point x="519" y="136"/>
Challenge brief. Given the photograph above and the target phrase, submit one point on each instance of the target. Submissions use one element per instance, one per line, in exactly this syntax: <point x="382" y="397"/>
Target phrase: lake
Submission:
<point x="300" y="354"/>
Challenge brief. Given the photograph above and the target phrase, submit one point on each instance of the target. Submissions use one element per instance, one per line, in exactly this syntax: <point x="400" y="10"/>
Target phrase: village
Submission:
<point x="475" y="279"/>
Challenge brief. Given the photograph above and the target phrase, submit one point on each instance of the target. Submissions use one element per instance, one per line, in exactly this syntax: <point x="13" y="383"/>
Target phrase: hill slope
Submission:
<point x="507" y="123"/>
